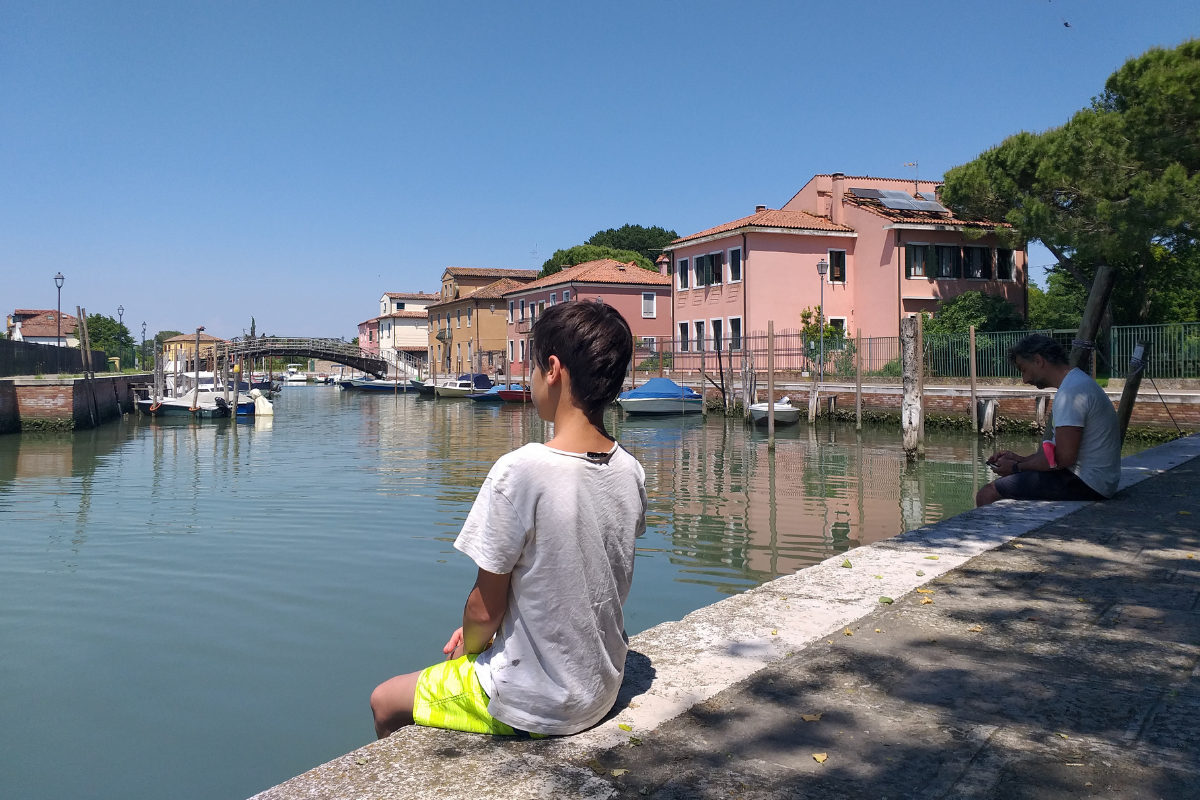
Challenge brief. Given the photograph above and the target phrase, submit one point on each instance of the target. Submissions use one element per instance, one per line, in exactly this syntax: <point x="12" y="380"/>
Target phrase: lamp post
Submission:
<point x="142" y="355"/>
<point x="58" y="282"/>
<point x="822" y="268"/>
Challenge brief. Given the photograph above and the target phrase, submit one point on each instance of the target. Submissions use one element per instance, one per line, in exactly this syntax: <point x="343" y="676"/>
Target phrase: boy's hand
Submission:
<point x="454" y="647"/>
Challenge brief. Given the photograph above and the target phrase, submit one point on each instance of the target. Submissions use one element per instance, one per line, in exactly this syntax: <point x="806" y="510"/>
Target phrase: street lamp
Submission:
<point x="822" y="269"/>
<point x="58" y="282"/>
<point x="142" y="359"/>
<point x="120" y="315"/>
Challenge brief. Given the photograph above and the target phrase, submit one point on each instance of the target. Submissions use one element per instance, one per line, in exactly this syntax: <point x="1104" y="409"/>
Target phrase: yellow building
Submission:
<point x="468" y="326"/>
<point x="181" y="350"/>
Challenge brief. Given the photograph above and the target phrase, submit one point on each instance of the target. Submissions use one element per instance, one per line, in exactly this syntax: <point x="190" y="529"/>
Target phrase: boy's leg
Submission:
<point x="392" y="703"/>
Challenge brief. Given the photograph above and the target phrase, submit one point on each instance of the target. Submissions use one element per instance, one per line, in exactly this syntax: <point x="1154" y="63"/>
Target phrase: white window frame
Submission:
<point x="522" y="350"/>
<point x="522" y="317"/>
<point x="741" y="334"/>
<point x="845" y="263"/>
<point x="682" y="270"/>
<point x="741" y="264"/>
<point x="458" y="317"/>
<point x="512" y="350"/>
<point x="468" y="317"/>
<point x="511" y="308"/>
<point x="721" y="274"/>
<point x="684" y="336"/>
<point x="700" y="333"/>
<point x="845" y="323"/>
<point x="924" y="277"/>
<point x="566" y="295"/>
<point x="553" y="298"/>
<point x="653" y="305"/>
<point x="650" y="342"/>
<point x="713" y="336"/>
<point x="996" y="265"/>
<point x="991" y="254"/>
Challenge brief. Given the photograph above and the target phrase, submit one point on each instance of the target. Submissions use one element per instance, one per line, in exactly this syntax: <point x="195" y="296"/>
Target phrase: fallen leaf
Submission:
<point x="775" y="632"/>
<point x="1080" y="600"/>
<point x="926" y="601"/>
<point x="635" y="741"/>
<point x="597" y="767"/>
<point x="926" y="591"/>
<point x="976" y="629"/>
<point x="625" y="727"/>
<point x="1089" y="783"/>
<point x="878" y="577"/>
<point x="878" y="631"/>
<point x="820" y="757"/>
<point x="847" y="564"/>
<point x="920" y="573"/>
<point x="811" y="717"/>
<point x="1191" y="555"/>
<point x="616" y="773"/>
<point x="887" y="601"/>
<point x="931" y="558"/>
<point x="360" y="761"/>
<point x="1063" y="735"/>
<point x="1188" y="513"/>
<point x="831" y="641"/>
<point x="848" y="632"/>
<point x="1018" y="545"/>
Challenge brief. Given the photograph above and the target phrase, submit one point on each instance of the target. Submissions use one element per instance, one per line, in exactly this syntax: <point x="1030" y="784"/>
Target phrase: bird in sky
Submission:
<point x="1065" y="23"/>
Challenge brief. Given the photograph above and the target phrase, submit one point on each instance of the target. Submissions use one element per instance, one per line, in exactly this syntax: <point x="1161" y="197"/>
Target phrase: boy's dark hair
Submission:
<point x="1038" y="344"/>
<point x="593" y="342"/>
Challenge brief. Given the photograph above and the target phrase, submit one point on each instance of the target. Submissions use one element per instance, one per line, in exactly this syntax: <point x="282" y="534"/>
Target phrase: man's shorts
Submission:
<point x="1056" y="484"/>
<point x="450" y="696"/>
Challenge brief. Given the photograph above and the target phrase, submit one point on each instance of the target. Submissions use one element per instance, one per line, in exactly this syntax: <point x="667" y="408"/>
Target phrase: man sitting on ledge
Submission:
<point x="1081" y="460"/>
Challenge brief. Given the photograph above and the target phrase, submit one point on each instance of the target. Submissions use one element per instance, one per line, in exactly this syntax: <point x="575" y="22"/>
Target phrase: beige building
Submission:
<point x="468" y="326"/>
<point x="403" y="328"/>
<point x="181" y="350"/>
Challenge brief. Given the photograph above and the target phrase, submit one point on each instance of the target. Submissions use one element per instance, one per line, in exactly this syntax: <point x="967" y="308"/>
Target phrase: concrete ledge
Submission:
<point x="676" y="665"/>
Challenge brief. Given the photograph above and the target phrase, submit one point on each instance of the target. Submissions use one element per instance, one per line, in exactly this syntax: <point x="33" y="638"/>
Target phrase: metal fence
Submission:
<point x="24" y="358"/>
<point x="1174" y="349"/>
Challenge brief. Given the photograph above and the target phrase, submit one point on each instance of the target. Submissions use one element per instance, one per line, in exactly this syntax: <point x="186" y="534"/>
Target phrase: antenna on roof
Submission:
<point x="916" y="176"/>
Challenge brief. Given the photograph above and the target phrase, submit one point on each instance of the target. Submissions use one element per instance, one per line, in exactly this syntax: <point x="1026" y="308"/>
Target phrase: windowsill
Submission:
<point x="649" y="316"/>
<point x="739" y="280"/>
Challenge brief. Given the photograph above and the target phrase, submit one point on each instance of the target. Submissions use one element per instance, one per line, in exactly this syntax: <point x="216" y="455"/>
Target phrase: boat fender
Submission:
<point x="263" y="407"/>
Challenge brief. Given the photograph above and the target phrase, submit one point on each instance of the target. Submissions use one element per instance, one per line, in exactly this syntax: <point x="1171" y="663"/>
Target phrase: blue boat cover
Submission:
<point x="482" y="382"/>
<point x="661" y="388"/>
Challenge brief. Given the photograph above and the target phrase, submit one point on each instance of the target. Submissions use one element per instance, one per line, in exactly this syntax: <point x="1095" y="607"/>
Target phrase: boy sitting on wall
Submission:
<point x="1082" y="458"/>
<point x="552" y="532"/>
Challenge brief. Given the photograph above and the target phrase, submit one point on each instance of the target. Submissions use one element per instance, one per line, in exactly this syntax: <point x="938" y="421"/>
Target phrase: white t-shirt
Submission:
<point x="1081" y="403"/>
<point x="564" y="524"/>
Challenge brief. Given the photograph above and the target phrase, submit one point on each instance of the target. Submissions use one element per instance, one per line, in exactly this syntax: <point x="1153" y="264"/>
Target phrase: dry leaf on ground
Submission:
<point x="847" y="564"/>
<point x="848" y="632"/>
<point x="926" y="591"/>
<point x="887" y="601"/>
<point x="926" y="601"/>
<point x="820" y="757"/>
<point x="931" y="558"/>
<point x="616" y="773"/>
<point x="976" y="629"/>
<point x="811" y="717"/>
<point x="625" y="727"/>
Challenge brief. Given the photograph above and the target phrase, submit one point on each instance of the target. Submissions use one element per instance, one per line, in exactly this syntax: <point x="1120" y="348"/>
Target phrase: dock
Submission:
<point x="1022" y="649"/>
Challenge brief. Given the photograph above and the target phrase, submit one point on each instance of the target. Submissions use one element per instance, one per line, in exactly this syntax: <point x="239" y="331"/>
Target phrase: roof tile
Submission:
<point x="772" y="218"/>
<point x="606" y="270"/>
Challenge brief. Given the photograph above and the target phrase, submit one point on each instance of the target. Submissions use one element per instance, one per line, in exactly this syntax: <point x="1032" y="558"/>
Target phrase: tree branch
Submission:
<point x="1069" y="265"/>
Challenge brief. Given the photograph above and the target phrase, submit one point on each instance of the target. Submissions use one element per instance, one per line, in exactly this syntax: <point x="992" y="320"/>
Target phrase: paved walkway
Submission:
<point x="1062" y="664"/>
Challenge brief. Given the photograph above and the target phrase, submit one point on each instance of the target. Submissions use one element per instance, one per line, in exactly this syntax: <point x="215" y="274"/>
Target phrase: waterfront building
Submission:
<point x="368" y="335"/>
<point x="892" y="251"/>
<point x="467" y="326"/>
<point x="41" y="326"/>
<point x="402" y="328"/>
<point x="643" y="298"/>
<point x="179" y="350"/>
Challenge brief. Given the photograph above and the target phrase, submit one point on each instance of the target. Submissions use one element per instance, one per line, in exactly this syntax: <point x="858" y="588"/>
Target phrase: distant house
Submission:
<point x="406" y="301"/>
<point x="643" y="298"/>
<point x="179" y="350"/>
<point x="467" y="325"/>
<point x="401" y="331"/>
<point x="41" y="326"/>
<point x="892" y="250"/>
<point x="368" y="335"/>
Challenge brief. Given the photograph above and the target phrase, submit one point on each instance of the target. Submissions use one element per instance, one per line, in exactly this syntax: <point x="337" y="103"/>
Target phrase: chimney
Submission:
<point x="664" y="264"/>
<point x="839" y="191"/>
<point x="759" y="209"/>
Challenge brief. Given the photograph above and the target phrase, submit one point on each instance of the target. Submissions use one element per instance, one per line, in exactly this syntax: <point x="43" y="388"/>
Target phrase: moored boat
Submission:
<point x="463" y="385"/>
<point x="515" y="395"/>
<point x="422" y="387"/>
<point x="376" y="385"/>
<point x="661" y="396"/>
<point x="492" y="395"/>
<point x="785" y="412"/>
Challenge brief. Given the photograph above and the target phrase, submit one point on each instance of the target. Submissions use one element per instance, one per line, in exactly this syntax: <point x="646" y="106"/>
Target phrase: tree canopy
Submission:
<point x="590" y="252"/>
<point x="106" y="334"/>
<point x="986" y="312"/>
<point x="162" y="336"/>
<point x="1118" y="184"/>
<point x="647" y="241"/>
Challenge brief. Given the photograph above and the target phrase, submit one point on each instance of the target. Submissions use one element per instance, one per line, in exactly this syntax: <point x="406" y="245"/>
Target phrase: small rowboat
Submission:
<point x="516" y="395"/>
<point x="785" y="412"/>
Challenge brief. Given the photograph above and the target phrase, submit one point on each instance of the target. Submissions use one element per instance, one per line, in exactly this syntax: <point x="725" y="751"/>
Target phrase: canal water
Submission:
<point x="201" y="611"/>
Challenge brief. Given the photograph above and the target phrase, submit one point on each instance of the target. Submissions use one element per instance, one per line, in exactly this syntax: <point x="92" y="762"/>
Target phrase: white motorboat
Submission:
<point x="463" y="385"/>
<point x="661" y="396"/>
<point x="184" y="400"/>
<point x="293" y="375"/>
<point x="785" y="412"/>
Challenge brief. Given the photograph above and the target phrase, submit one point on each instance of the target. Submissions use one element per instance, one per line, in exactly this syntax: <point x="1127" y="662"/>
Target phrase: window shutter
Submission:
<point x="718" y="267"/>
<point x="908" y="261"/>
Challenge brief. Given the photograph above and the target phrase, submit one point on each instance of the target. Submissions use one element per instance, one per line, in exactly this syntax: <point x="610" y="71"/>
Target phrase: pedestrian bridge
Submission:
<point x="338" y="351"/>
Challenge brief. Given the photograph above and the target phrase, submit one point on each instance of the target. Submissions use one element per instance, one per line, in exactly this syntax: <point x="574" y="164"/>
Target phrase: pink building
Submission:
<point x="642" y="297"/>
<point x="891" y="253"/>
<point x="368" y="335"/>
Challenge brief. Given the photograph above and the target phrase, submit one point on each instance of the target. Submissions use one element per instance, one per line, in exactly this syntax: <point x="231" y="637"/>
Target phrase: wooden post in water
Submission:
<point x="703" y="376"/>
<point x="237" y="387"/>
<point x="770" y="384"/>
<point x="86" y="361"/>
<point x="858" y="381"/>
<point x="974" y="392"/>
<point x="921" y="383"/>
<point x="1133" y="380"/>
<point x="910" y="405"/>
<point x="196" y="390"/>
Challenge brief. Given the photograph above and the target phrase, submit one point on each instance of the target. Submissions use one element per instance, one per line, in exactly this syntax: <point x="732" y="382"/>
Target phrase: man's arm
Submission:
<point x="485" y="610"/>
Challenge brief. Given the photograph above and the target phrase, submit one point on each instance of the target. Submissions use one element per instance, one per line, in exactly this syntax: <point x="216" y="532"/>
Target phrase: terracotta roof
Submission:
<point x="374" y="319"/>
<point x="191" y="337"/>
<point x="912" y="216"/>
<point x="478" y="272"/>
<point x="412" y="295"/>
<point x="605" y="270"/>
<point x="772" y="218"/>
<point x="412" y="348"/>
<point x="493" y="291"/>
<point x="41" y="323"/>
<point x="404" y="315"/>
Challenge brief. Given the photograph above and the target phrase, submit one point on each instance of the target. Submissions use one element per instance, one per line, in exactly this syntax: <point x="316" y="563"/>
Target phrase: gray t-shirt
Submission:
<point x="564" y="524"/>
<point x="1081" y="403"/>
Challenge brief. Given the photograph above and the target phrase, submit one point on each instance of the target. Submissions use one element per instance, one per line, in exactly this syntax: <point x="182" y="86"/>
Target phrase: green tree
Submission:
<point x="591" y="252"/>
<point x="1059" y="305"/>
<point x="649" y="242"/>
<point x="986" y="312"/>
<point x="105" y="333"/>
<point x="162" y="336"/>
<point x="1116" y="186"/>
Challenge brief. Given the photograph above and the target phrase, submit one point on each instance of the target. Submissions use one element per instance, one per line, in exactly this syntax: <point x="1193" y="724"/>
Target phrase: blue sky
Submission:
<point x="200" y="163"/>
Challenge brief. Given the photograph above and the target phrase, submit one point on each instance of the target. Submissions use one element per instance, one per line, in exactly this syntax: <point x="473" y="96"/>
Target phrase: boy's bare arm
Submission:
<point x="485" y="610"/>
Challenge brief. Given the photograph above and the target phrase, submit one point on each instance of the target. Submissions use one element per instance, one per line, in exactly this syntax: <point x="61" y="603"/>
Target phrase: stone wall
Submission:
<point x="65" y="403"/>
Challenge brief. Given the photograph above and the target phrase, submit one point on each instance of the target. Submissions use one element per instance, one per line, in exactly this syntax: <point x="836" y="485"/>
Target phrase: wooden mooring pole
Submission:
<point x="703" y="377"/>
<point x="770" y="384"/>
<point x="974" y="392"/>
<point x="921" y="383"/>
<point x="910" y="405"/>
<point x="858" y="381"/>
<point x="1133" y="380"/>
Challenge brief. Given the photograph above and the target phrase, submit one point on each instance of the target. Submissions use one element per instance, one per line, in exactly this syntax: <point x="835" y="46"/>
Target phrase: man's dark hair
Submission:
<point x="593" y="342"/>
<point x="1038" y="344"/>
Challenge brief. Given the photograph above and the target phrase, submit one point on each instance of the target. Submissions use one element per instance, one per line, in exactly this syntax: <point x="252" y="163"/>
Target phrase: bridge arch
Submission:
<point x="335" y="350"/>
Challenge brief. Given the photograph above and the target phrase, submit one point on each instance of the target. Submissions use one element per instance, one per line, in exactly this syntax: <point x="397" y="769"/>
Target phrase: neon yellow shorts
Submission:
<point x="449" y="696"/>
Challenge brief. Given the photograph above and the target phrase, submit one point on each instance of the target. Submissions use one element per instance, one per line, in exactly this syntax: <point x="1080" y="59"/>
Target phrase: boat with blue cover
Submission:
<point x="492" y="395"/>
<point x="464" y="385"/>
<point x="661" y="396"/>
